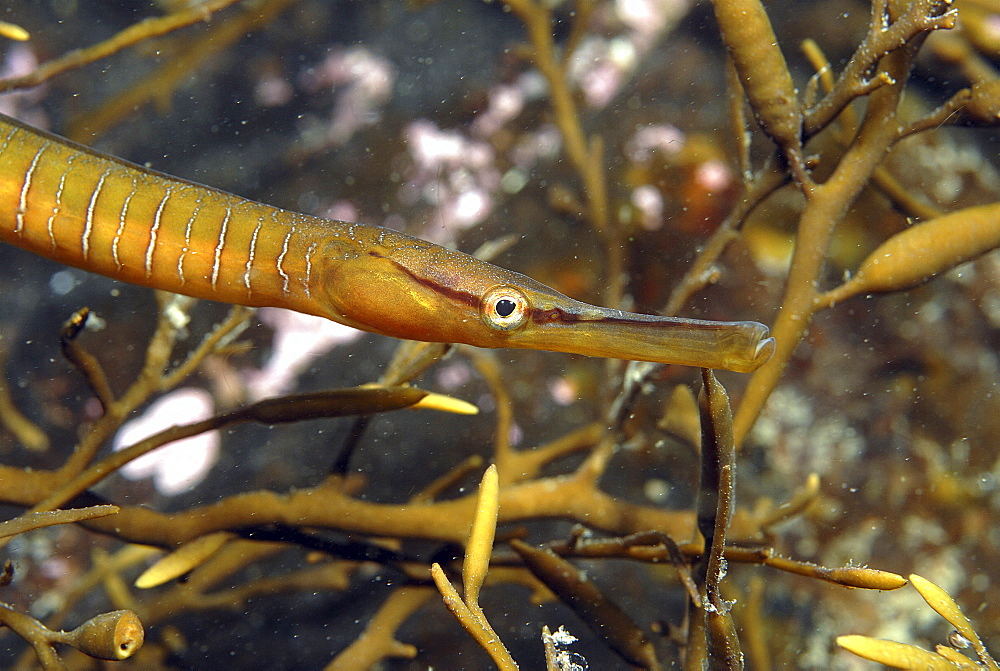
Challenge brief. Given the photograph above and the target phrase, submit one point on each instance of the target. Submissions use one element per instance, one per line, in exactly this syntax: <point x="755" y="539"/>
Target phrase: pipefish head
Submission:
<point x="409" y="288"/>
<point x="420" y="291"/>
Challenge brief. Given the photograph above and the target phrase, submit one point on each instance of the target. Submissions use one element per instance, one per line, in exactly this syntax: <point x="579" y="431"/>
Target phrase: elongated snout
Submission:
<point x="579" y="328"/>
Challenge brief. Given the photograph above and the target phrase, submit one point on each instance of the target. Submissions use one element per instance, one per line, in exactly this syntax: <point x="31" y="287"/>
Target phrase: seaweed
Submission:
<point x="650" y="155"/>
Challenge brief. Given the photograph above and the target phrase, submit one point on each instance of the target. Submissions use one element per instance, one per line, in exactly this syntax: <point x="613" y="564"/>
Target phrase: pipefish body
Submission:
<point x="74" y="205"/>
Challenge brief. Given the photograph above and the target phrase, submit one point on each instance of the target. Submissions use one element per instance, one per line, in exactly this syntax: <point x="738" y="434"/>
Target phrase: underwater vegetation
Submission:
<point x="189" y="484"/>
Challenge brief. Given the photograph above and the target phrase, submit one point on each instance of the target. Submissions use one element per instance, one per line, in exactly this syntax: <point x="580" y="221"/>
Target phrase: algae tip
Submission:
<point x="444" y="403"/>
<point x="14" y="32"/>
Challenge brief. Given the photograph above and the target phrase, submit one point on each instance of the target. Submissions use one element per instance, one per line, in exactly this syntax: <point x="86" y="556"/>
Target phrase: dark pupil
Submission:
<point x="505" y="307"/>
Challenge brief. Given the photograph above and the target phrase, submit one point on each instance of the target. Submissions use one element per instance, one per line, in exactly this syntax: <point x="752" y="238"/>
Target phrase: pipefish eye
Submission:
<point x="505" y="308"/>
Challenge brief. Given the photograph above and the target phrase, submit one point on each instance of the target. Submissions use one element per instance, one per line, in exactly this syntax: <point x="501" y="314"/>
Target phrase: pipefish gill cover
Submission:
<point x="831" y="184"/>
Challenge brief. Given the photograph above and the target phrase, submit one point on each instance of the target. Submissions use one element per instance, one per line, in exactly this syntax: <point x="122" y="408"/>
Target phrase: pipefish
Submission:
<point x="102" y="214"/>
